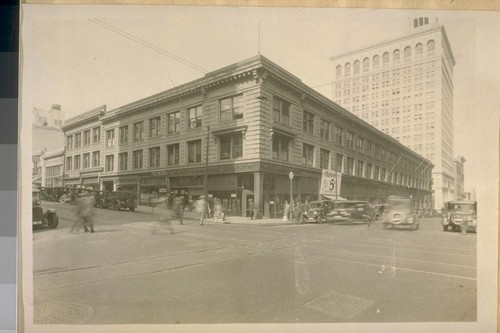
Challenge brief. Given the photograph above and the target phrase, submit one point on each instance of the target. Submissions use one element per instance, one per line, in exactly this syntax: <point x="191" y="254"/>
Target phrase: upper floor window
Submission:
<point x="368" y="170"/>
<point x="173" y="154"/>
<point x="356" y="67"/>
<point x="137" y="157"/>
<point x="194" y="151"/>
<point x="349" y="169"/>
<point x="78" y="140"/>
<point x="375" y="61"/>
<point x="360" y="144"/>
<point x="395" y="57"/>
<point x="154" y="157"/>
<point x="307" y="154"/>
<point x="339" y="135"/>
<point x="77" y="162"/>
<point x="69" y="163"/>
<point x="138" y="131"/>
<point x="123" y="131"/>
<point x="194" y="115"/>
<point x="308" y="122"/>
<point x="280" y="148"/>
<point x="385" y="59"/>
<point x="231" y="108"/>
<point x="86" y="138"/>
<point x="347" y="69"/>
<point x="123" y="161"/>
<point x="324" y="129"/>
<point x="430" y="48"/>
<point x="110" y="137"/>
<point x="109" y="163"/>
<point x="281" y="111"/>
<point x="339" y="162"/>
<point x="350" y="140"/>
<point x="360" y="168"/>
<point x="69" y="142"/>
<point x="174" y="121"/>
<point x="407" y="54"/>
<point x="86" y="160"/>
<point x="324" y="159"/>
<point x="96" y="134"/>
<point x="154" y="127"/>
<point x="96" y="159"/>
<point x="338" y="72"/>
<point x="418" y="51"/>
<point x="231" y="146"/>
<point x="366" y="64"/>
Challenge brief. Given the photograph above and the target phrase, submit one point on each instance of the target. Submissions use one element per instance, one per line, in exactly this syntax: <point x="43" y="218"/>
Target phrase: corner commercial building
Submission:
<point x="244" y="127"/>
<point x="404" y="87"/>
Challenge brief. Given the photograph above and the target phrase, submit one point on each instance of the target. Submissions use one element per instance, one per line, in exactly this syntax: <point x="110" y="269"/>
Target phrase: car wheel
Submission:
<point x="52" y="221"/>
<point x="117" y="206"/>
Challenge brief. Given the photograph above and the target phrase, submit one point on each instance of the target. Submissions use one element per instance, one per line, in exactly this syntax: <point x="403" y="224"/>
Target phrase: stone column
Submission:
<point x="258" y="189"/>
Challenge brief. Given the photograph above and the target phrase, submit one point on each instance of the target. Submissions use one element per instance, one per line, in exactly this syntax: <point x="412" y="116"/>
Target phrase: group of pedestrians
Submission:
<point x="293" y="211"/>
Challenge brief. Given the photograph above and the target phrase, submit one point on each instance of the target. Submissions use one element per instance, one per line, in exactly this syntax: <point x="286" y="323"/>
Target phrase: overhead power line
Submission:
<point x="148" y="45"/>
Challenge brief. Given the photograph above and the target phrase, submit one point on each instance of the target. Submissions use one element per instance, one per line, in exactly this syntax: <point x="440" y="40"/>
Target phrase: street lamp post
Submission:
<point x="290" y="175"/>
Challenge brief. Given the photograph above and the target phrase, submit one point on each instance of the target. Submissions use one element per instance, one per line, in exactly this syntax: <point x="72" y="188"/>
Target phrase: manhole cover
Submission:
<point x="62" y="313"/>
<point x="339" y="305"/>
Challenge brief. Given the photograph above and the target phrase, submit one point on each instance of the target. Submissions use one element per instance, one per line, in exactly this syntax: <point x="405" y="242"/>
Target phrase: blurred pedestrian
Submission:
<point x="84" y="213"/>
<point x="218" y="211"/>
<point x="297" y="212"/>
<point x="178" y="208"/>
<point x="250" y="208"/>
<point x="286" y="210"/>
<point x="162" y="213"/>
<point x="201" y="208"/>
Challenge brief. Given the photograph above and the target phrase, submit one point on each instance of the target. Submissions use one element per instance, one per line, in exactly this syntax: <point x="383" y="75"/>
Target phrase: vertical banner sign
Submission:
<point x="330" y="182"/>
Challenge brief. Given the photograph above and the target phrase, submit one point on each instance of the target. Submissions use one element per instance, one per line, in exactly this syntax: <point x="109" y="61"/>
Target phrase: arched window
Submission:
<point x="347" y="69"/>
<point x="356" y="67"/>
<point x="418" y="51"/>
<point x="375" y="62"/>
<point x="430" y="48"/>
<point x="366" y="64"/>
<point x="385" y="59"/>
<point x="395" y="57"/>
<point x="407" y="53"/>
<point x="338" y="72"/>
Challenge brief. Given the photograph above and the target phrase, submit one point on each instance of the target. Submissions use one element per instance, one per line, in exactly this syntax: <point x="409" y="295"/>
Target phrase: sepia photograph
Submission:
<point x="283" y="169"/>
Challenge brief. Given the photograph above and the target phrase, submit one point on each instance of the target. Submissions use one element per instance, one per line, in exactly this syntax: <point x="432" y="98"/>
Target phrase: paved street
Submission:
<point x="133" y="271"/>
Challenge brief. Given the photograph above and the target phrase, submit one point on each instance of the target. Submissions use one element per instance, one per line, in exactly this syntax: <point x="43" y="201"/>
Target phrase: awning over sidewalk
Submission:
<point x="332" y="197"/>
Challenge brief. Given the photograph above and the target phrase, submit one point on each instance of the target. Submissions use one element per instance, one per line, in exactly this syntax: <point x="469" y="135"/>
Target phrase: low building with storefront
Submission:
<point x="244" y="128"/>
<point x="52" y="168"/>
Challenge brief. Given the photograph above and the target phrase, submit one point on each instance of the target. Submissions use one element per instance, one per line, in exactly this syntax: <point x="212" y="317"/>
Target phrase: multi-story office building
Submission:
<point x="404" y="87"/>
<point x="244" y="127"/>
<point x="459" y="178"/>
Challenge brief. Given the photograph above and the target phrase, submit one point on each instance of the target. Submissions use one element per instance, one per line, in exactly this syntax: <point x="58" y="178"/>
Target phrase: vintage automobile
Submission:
<point x="100" y="197"/>
<point x="460" y="215"/>
<point x="400" y="213"/>
<point x="349" y="211"/>
<point x="316" y="212"/>
<point x="53" y="193"/>
<point x="119" y="200"/>
<point x="39" y="218"/>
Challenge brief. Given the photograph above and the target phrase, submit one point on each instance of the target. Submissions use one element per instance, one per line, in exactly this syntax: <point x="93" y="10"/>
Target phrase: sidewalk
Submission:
<point x="228" y="219"/>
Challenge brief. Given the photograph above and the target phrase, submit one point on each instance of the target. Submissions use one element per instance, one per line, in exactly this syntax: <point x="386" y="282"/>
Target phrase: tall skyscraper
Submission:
<point x="404" y="87"/>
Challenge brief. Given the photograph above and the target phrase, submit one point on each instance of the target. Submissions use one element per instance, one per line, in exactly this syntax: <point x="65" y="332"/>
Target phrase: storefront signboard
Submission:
<point x="330" y="182"/>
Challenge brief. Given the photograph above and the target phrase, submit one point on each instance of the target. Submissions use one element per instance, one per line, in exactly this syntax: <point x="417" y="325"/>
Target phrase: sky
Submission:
<point x="70" y="58"/>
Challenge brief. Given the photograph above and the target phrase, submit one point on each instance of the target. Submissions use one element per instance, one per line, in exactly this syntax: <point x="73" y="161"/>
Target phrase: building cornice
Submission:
<point x="86" y="117"/>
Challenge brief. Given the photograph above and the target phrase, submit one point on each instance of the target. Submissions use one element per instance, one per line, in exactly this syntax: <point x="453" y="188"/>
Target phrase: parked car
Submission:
<point x="119" y="200"/>
<point x="39" y="217"/>
<point x="400" y="213"/>
<point x="316" y="212"/>
<point x="460" y="215"/>
<point x="100" y="197"/>
<point x="53" y="193"/>
<point x="349" y="211"/>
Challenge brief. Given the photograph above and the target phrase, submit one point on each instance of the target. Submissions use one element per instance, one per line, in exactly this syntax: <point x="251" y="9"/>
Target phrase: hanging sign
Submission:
<point x="330" y="182"/>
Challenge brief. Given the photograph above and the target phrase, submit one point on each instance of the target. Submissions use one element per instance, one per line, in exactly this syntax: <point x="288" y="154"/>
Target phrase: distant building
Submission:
<point x="404" y="87"/>
<point x="52" y="168"/>
<point x="246" y="127"/>
<point x="54" y="117"/>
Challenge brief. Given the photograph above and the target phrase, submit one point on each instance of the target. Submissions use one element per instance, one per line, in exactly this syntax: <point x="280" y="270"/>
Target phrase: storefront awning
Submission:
<point x="332" y="197"/>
